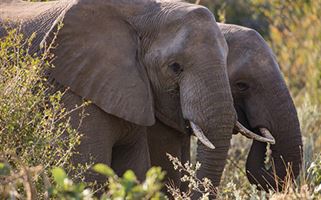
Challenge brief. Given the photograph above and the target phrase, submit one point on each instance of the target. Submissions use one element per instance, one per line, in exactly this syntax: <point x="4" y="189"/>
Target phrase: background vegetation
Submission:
<point x="34" y="161"/>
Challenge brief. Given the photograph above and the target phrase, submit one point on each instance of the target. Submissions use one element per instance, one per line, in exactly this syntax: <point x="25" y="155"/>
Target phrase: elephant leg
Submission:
<point x="163" y="139"/>
<point x="99" y="135"/>
<point x="131" y="152"/>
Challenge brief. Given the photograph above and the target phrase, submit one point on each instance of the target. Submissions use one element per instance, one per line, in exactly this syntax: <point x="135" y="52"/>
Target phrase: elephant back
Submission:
<point x="32" y="17"/>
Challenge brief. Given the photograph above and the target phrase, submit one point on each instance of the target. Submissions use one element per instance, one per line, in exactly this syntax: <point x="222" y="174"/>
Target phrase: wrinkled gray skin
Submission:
<point x="135" y="60"/>
<point x="261" y="99"/>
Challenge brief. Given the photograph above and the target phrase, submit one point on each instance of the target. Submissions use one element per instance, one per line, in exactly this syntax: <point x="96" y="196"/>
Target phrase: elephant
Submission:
<point x="135" y="60"/>
<point x="264" y="106"/>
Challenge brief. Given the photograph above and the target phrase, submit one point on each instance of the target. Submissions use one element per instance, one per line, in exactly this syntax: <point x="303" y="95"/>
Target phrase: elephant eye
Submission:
<point x="176" y="67"/>
<point x="242" y="86"/>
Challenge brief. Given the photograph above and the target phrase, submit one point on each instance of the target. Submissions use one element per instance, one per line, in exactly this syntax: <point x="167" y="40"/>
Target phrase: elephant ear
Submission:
<point x="96" y="58"/>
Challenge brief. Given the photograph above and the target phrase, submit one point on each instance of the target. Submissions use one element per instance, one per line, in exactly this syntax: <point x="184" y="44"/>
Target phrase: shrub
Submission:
<point x="64" y="188"/>
<point x="34" y="127"/>
<point x="128" y="187"/>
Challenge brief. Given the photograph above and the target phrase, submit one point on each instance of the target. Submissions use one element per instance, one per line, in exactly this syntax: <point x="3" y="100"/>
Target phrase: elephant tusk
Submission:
<point x="201" y="136"/>
<point x="267" y="136"/>
<point x="266" y="133"/>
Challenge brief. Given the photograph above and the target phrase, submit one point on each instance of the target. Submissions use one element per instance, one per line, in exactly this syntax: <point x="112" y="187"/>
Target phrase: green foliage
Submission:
<point x="128" y="187"/>
<point x="63" y="188"/>
<point x="66" y="189"/>
<point x="34" y="127"/>
<point x="32" y="120"/>
<point x="104" y="170"/>
<point x="125" y="187"/>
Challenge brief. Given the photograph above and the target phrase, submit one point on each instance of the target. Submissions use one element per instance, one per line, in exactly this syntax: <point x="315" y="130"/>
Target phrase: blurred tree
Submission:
<point x="241" y="12"/>
<point x="295" y="37"/>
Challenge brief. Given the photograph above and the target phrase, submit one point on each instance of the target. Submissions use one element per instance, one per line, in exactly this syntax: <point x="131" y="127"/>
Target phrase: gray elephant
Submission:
<point x="263" y="105"/>
<point x="137" y="59"/>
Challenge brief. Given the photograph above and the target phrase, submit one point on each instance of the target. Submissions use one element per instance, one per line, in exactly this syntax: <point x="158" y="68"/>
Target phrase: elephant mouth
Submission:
<point x="258" y="133"/>
<point x="193" y="128"/>
<point x="265" y="134"/>
<point x="201" y="136"/>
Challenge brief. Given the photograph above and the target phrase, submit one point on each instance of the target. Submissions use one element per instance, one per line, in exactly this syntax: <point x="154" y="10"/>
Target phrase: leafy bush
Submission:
<point x="128" y="187"/>
<point x="63" y="188"/>
<point x="34" y="127"/>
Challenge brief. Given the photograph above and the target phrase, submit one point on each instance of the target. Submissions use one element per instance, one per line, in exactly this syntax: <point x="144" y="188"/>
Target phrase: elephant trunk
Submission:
<point x="286" y="153"/>
<point x="216" y="121"/>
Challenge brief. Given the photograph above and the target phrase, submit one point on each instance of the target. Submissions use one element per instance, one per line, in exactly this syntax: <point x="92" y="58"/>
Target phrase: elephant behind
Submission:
<point x="262" y="100"/>
<point x="136" y="60"/>
<point x="264" y="107"/>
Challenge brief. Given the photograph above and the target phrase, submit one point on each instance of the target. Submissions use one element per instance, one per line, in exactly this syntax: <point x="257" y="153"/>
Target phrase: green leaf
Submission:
<point x="155" y="172"/>
<point x="59" y="175"/>
<point x="129" y="175"/>
<point x="103" y="169"/>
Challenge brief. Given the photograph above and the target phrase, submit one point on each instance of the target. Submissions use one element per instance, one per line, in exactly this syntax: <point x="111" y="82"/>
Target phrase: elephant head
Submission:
<point x="264" y="105"/>
<point x="138" y="59"/>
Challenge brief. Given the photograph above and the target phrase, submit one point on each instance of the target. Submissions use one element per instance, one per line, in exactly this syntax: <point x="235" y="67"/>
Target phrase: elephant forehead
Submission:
<point x="238" y="59"/>
<point x="251" y="61"/>
<point x="168" y="43"/>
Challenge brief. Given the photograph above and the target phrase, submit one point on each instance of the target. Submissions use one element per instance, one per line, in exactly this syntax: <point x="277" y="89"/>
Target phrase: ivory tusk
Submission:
<point x="267" y="136"/>
<point x="200" y="135"/>
<point x="266" y="133"/>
